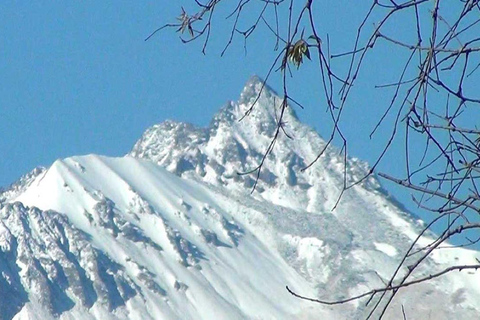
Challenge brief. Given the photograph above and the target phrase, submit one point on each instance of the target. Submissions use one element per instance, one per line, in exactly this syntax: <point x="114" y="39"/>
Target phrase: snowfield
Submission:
<point x="171" y="231"/>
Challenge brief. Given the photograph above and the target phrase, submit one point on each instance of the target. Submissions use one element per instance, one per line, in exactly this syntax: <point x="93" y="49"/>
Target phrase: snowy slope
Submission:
<point x="151" y="246"/>
<point x="177" y="234"/>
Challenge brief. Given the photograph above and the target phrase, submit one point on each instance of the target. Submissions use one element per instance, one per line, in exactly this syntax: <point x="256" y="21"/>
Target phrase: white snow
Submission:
<point x="386" y="248"/>
<point x="201" y="246"/>
<point x="232" y="283"/>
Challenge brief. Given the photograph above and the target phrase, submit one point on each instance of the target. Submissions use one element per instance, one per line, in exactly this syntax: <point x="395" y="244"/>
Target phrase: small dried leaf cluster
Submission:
<point x="296" y="52"/>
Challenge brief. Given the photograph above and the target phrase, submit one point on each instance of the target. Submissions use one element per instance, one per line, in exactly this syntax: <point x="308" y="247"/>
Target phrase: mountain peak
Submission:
<point x="254" y="88"/>
<point x="95" y="237"/>
<point x="255" y="84"/>
<point x="254" y="80"/>
<point x="259" y="108"/>
<point x="236" y="141"/>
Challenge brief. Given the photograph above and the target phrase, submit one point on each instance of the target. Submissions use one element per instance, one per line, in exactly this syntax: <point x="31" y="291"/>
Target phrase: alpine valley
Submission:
<point x="171" y="231"/>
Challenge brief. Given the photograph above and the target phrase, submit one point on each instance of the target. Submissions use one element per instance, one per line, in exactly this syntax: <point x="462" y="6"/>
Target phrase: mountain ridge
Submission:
<point x="172" y="231"/>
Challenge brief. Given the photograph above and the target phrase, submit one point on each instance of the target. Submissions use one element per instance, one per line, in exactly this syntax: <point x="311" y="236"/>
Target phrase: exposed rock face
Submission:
<point x="234" y="144"/>
<point x="46" y="259"/>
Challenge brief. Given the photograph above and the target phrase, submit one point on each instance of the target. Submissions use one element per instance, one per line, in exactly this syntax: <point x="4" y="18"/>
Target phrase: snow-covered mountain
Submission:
<point x="171" y="231"/>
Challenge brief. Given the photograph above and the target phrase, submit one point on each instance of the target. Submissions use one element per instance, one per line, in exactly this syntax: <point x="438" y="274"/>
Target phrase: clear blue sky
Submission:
<point x="77" y="77"/>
